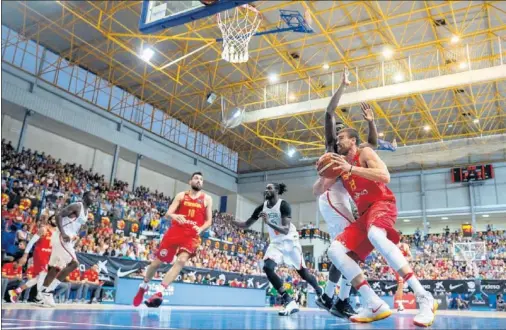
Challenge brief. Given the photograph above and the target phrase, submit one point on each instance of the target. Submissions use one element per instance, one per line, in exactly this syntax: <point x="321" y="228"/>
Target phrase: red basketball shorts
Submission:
<point x="40" y="262"/>
<point x="380" y="214"/>
<point x="176" y="241"/>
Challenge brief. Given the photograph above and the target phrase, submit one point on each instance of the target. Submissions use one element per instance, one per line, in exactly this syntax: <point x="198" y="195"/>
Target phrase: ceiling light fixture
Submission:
<point x="388" y="52"/>
<point x="147" y="54"/>
<point x="273" y="78"/>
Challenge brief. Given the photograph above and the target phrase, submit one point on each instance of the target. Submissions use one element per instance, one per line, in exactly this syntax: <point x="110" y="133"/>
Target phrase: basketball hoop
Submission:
<point x="237" y="26"/>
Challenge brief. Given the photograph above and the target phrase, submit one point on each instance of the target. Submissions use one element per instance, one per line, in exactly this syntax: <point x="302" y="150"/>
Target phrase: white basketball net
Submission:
<point x="237" y="27"/>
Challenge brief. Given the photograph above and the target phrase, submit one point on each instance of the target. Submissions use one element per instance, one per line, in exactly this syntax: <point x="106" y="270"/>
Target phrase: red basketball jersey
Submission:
<point x="363" y="191"/>
<point x="194" y="210"/>
<point x="43" y="245"/>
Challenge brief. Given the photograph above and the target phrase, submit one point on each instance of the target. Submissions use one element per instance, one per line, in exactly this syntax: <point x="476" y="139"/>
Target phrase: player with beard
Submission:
<point x="365" y="176"/>
<point x="284" y="247"/>
<point x="334" y="203"/>
<point x="191" y="214"/>
<point x="41" y="254"/>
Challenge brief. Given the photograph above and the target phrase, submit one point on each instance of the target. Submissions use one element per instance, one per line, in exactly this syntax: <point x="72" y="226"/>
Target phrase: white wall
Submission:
<point x="125" y="172"/>
<point x="43" y="141"/>
<point x="102" y="163"/>
<point x="155" y="181"/>
<point x="244" y="210"/>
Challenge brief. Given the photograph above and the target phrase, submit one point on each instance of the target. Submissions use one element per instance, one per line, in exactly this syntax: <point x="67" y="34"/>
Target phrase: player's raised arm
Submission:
<point x="248" y="223"/>
<point x="376" y="169"/>
<point x="367" y="113"/>
<point x="171" y="212"/>
<point x="72" y="209"/>
<point x="286" y="218"/>
<point x="330" y="114"/>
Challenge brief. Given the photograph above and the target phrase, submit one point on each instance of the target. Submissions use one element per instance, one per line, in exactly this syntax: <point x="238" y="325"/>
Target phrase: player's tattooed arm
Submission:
<point x="286" y="218"/>
<point x="248" y="223"/>
<point x="173" y="208"/>
<point x="71" y="210"/>
<point x="330" y="114"/>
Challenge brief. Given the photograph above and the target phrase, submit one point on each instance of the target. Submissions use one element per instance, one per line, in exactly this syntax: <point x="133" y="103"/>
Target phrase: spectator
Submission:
<point x="91" y="281"/>
<point x="12" y="274"/>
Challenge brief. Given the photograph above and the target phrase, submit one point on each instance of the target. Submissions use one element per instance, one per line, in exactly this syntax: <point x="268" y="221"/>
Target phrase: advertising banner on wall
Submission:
<point x="111" y="268"/>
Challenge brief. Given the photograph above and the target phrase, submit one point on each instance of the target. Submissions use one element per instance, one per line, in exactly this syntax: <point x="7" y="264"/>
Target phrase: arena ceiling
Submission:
<point x="103" y="37"/>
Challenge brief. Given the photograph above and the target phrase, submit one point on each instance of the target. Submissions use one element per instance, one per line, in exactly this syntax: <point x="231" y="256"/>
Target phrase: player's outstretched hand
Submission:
<point x="346" y="77"/>
<point x="367" y="112"/>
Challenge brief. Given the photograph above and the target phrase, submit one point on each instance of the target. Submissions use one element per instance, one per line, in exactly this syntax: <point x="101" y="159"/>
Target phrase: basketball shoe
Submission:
<point x="427" y="313"/>
<point x="155" y="300"/>
<point x="143" y="288"/>
<point x="343" y="309"/>
<point x="289" y="308"/>
<point x="373" y="310"/>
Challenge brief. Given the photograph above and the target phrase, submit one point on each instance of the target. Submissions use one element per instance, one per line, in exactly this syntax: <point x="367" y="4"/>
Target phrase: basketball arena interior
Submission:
<point x="130" y="99"/>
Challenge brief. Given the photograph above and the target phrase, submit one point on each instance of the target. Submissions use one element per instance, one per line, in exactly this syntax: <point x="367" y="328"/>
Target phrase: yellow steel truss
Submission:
<point x="346" y="33"/>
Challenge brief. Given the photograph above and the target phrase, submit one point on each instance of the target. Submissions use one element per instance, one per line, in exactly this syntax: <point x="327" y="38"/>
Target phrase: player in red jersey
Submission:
<point x="365" y="177"/>
<point x="191" y="214"/>
<point x="406" y="252"/>
<point x="41" y="255"/>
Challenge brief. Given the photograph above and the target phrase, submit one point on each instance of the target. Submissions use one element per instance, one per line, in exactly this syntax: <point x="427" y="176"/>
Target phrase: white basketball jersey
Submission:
<point x="274" y="216"/>
<point x="335" y="208"/>
<point x="71" y="226"/>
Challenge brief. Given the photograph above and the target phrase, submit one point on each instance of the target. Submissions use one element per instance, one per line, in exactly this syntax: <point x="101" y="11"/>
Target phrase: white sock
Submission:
<point x="144" y="285"/>
<point x="40" y="281"/>
<point x="330" y="288"/>
<point x="53" y="285"/>
<point x="344" y="288"/>
<point x="414" y="284"/>
<point x="366" y="293"/>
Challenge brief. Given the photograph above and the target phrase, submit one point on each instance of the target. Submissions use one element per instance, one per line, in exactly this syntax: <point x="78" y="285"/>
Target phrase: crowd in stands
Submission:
<point x="433" y="258"/>
<point x="33" y="180"/>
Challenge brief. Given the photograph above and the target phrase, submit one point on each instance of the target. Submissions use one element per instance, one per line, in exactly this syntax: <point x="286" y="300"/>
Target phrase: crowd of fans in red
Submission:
<point x="32" y="180"/>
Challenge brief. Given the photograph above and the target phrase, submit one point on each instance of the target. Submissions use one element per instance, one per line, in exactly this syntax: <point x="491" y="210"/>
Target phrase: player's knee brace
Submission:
<point x="392" y="254"/>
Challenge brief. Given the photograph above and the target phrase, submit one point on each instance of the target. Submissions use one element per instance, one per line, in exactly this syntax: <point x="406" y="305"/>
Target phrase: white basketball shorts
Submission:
<point x="288" y="252"/>
<point x="62" y="253"/>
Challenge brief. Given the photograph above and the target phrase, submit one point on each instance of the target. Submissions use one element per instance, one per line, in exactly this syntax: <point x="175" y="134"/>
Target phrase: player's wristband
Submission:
<point x="351" y="168"/>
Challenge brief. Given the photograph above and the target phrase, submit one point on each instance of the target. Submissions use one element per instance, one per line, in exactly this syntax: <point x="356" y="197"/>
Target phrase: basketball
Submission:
<point x="325" y="167"/>
<point x="208" y="2"/>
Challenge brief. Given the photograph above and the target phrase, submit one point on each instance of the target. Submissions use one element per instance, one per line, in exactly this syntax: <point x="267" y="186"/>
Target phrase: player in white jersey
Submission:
<point x="334" y="203"/>
<point x="63" y="258"/>
<point x="284" y="247"/>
